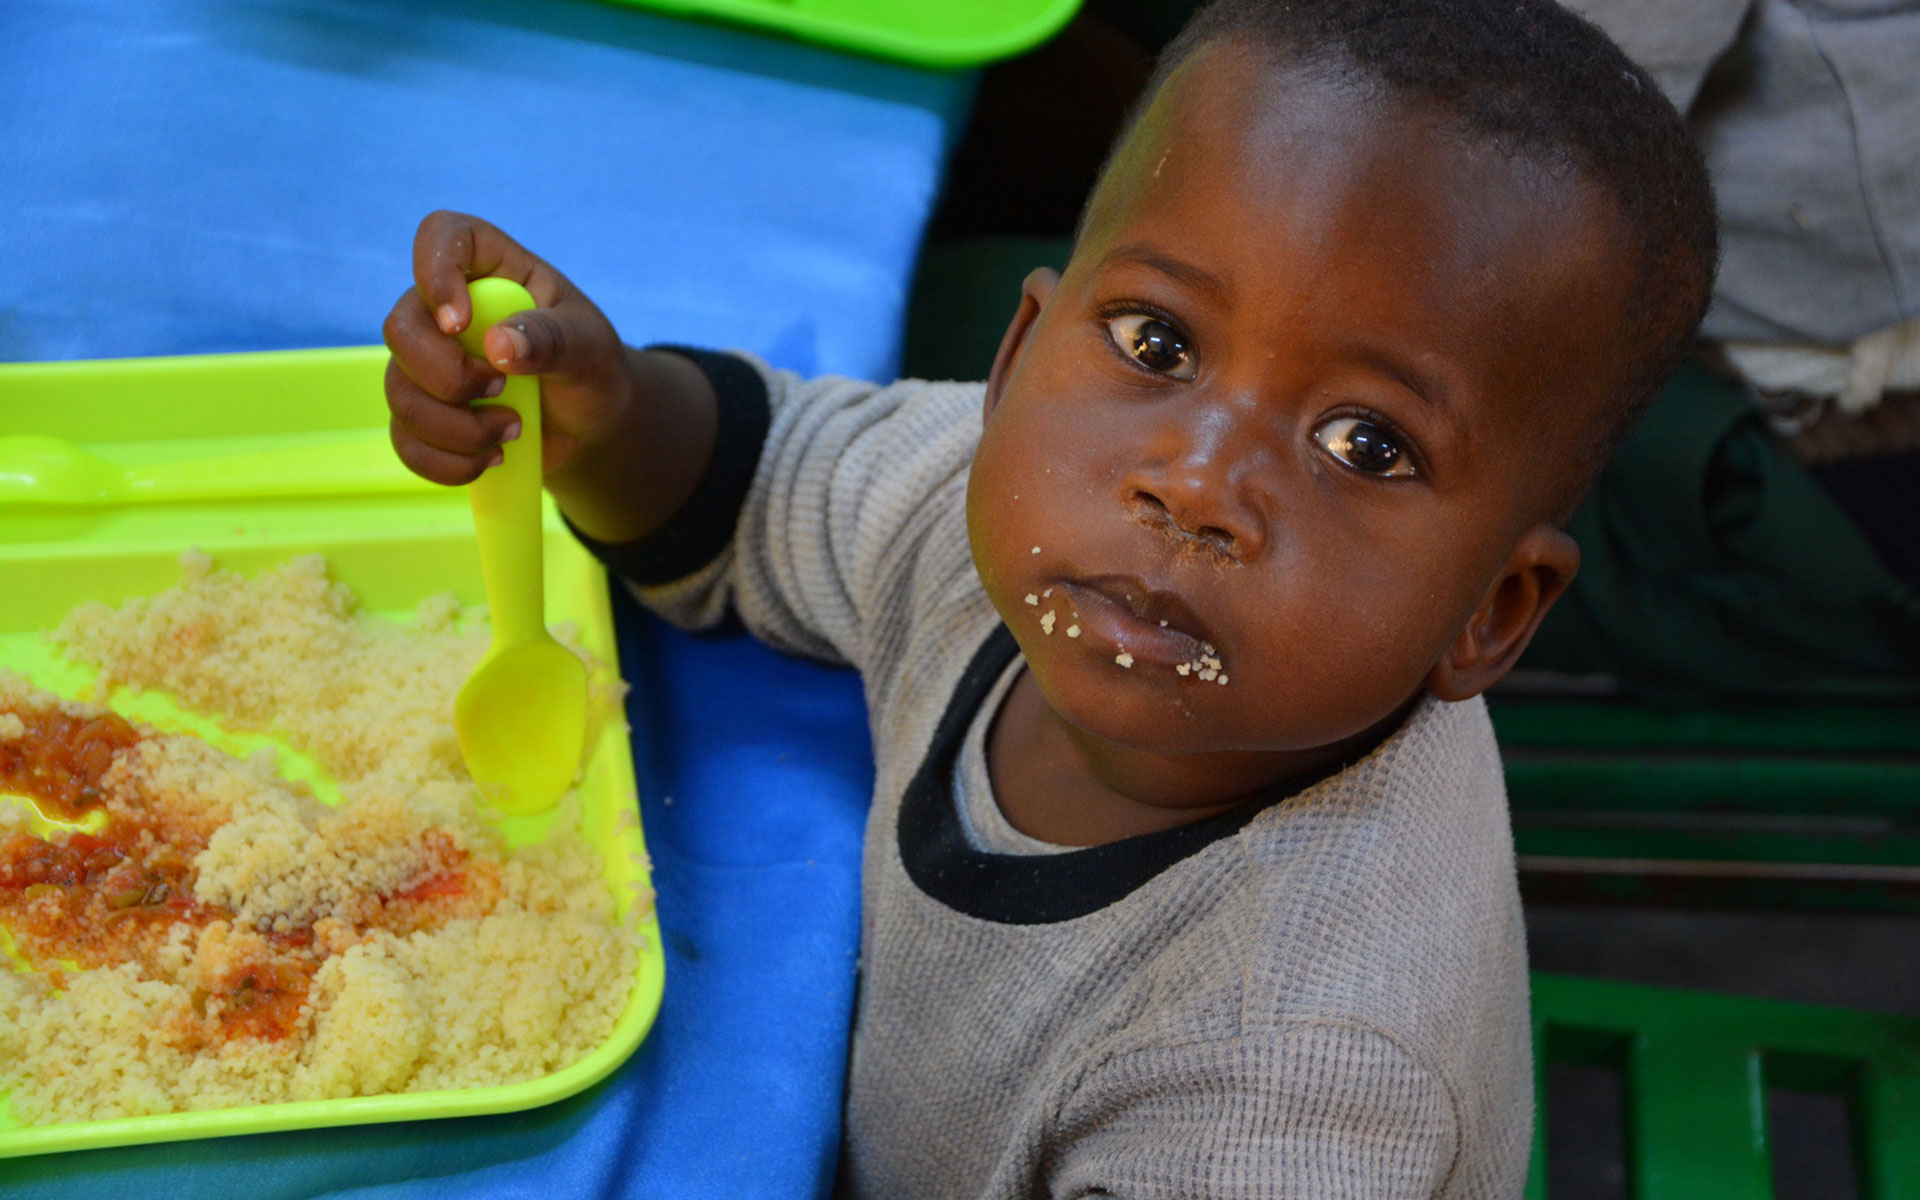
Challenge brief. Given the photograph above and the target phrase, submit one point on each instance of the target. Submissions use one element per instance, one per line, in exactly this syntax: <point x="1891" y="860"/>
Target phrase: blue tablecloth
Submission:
<point x="190" y="176"/>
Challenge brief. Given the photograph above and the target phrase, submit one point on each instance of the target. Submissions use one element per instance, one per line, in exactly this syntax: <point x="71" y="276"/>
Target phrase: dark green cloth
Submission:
<point x="964" y="294"/>
<point x="1715" y="568"/>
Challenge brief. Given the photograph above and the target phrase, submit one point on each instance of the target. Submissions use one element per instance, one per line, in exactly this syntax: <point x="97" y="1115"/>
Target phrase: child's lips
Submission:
<point x="1123" y="613"/>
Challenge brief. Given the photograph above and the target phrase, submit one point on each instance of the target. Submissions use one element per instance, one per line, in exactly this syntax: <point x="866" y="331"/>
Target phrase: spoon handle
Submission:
<point x="345" y="463"/>
<point x="506" y="498"/>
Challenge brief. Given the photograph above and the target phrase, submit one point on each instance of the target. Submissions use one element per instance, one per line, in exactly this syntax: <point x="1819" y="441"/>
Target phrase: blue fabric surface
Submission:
<point x="184" y="176"/>
<point x="187" y="177"/>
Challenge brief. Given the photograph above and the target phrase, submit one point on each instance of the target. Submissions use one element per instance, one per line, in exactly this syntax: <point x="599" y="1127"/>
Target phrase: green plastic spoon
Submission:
<point x="54" y="472"/>
<point x="522" y="715"/>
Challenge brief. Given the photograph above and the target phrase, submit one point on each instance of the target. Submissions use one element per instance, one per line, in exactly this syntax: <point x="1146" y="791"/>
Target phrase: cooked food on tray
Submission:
<point x="192" y="929"/>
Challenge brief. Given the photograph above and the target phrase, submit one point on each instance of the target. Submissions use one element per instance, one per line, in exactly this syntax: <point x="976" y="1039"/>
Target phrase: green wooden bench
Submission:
<point x="1695" y="1069"/>
<point x="1805" y="805"/>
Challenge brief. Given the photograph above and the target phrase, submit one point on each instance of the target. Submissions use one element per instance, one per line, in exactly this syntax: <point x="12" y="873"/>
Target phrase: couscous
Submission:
<point x="219" y="936"/>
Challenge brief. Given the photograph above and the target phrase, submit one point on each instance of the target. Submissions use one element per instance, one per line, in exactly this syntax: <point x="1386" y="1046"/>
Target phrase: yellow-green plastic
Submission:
<point x="522" y="715"/>
<point x="55" y="472"/>
<point x="948" y="33"/>
<point x="394" y="546"/>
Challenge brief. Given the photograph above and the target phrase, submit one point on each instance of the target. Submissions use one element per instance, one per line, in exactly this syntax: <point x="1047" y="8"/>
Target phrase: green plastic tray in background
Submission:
<point x="926" y="33"/>
<point x="393" y="550"/>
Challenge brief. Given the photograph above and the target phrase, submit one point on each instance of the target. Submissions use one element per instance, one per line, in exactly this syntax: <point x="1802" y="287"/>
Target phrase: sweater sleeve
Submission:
<point x="821" y="519"/>
<point x="1308" y="1110"/>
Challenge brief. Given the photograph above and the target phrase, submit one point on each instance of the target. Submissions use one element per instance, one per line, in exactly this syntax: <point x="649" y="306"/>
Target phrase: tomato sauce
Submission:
<point x="62" y="759"/>
<point x="113" y="895"/>
<point x="263" y="999"/>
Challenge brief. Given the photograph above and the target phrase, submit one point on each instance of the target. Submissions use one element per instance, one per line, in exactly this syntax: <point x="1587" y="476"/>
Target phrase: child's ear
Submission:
<point x="1034" y="293"/>
<point x="1541" y="566"/>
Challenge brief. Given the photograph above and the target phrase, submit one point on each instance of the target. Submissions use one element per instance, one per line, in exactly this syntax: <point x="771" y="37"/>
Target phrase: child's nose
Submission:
<point x="1194" y="493"/>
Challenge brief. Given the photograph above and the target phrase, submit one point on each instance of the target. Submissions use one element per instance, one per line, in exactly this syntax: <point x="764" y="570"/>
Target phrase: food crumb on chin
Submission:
<point x="1124" y="659"/>
<point x="1073" y="631"/>
<point x="1046" y="623"/>
<point x="1035" y="550"/>
<point x="1182" y="668"/>
<point x="1223" y="681"/>
<point x="1032" y="599"/>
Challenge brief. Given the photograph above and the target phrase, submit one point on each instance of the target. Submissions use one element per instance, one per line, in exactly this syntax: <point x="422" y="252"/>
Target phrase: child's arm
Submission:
<point x="627" y="434"/>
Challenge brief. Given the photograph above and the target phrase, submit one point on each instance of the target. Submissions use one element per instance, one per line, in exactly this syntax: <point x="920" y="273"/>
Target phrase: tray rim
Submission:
<point x="877" y="40"/>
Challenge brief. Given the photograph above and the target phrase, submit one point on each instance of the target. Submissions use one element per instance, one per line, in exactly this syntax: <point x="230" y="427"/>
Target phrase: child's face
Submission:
<point x="1288" y="400"/>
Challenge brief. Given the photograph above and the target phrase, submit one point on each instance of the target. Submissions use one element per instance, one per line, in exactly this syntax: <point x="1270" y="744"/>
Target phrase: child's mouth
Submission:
<point x="1122" y="614"/>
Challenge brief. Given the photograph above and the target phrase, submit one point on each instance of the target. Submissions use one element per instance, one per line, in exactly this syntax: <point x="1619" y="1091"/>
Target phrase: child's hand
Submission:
<point x="626" y="435"/>
<point x="431" y="381"/>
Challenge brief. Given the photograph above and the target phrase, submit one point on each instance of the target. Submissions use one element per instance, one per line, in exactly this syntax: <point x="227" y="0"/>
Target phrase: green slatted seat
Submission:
<point x="1788" y="805"/>
<point x="1695" y="1068"/>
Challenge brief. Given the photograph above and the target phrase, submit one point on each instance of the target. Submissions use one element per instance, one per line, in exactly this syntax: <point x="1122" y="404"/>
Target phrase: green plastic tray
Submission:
<point x="393" y="545"/>
<point x="953" y="33"/>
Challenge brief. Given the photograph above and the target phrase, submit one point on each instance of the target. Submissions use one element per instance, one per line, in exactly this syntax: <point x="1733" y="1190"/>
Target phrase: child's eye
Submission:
<point x="1364" y="446"/>
<point x="1152" y="343"/>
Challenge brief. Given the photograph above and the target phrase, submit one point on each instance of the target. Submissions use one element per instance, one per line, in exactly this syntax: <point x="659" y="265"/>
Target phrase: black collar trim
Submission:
<point x="1030" y="889"/>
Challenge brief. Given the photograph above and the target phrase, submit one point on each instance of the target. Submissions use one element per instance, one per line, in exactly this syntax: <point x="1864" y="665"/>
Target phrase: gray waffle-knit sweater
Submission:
<point x="1322" y="997"/>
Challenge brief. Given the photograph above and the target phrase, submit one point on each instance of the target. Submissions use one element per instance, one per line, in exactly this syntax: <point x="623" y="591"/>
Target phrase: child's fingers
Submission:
<point x="435" y="464"/>
<point x="443" y="261"/>
<point x="454" y="428"/>
<point x="429" y="357"/>
<point x="535" y="342"/>
<point x="451" y="248"/>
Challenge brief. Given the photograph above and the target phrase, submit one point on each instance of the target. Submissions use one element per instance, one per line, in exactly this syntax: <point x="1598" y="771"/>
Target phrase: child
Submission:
<point x="1188" y="871"/>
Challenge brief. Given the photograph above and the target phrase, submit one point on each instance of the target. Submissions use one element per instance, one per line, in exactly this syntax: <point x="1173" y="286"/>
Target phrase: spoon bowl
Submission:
<point x="51" y="470"/>
<point x="522" y="718"/>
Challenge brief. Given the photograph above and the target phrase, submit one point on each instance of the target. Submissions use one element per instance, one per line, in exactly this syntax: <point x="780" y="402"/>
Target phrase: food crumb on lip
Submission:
<point x="1223" y="681"/>
<point x="1046" y="622"/>
<point x="1124" y="659"/>
<point x="1182" y="668"/>
<point x="1073" y="631"/>
<point x="1032" y="599"/>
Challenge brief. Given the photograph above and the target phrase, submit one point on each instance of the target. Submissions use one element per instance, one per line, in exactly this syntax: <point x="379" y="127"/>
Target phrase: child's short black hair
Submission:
<point x="1534" y="79"/>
